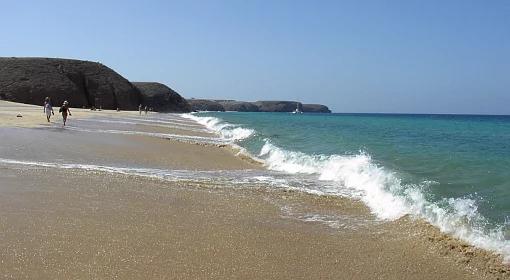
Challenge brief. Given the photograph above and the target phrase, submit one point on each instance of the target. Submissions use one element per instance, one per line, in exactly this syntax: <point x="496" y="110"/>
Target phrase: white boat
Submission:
<point x="297" y="111"/>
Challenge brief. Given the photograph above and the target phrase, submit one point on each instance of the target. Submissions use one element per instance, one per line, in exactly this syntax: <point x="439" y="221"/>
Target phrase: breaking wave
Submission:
<point x="227" y="131"/>
<point x="360" y="177"/>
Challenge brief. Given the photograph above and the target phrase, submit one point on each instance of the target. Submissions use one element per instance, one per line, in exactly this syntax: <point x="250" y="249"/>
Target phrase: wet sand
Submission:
<point x="78" y="224"/>
<point x="61" y="225"/>
<point x="64" y="145"/>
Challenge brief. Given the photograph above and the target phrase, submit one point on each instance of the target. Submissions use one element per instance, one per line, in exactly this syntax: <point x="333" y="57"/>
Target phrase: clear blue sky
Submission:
<point x="355" y="56"/>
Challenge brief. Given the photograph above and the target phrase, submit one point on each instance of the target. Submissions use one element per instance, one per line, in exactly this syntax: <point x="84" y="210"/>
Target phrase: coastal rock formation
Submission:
<point x="91" y="84"/>
<point x="278" y="106"/>
<point x="82" y="83"/>
<point x="315" y="108"/>
<point x="238" y="106"/>
<point x="205" y="105"/>
<point x="258" y="106"/>
<point x="161" y="98"/>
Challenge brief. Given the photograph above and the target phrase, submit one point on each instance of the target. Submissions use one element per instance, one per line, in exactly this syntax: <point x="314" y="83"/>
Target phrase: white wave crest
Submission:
<point x="227" y="131"/>
<point x="356" y="173"/>
<point x="383" y="192"/>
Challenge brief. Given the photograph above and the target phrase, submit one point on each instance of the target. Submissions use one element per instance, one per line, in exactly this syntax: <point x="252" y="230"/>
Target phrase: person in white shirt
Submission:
<point x="48" y="109"/>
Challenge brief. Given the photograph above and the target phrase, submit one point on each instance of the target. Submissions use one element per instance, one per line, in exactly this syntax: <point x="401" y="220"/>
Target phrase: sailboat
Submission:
<point x="297" y="110"/>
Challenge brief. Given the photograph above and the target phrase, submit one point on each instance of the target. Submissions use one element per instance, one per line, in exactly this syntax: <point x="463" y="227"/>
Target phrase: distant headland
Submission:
<point x="257" y="106"/>
<point x="87" y="84"/>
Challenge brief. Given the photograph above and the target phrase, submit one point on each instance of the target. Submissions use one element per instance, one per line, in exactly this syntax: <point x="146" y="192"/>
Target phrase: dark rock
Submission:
<point x="161" y="98"/>
<point x="238" y="106"/>
<point x="82" y="83"/>
<point x="205" y="105"/>
<point x="315" y="108"/>
<point x="259" y="106"/>
<point x="278" y="106"/>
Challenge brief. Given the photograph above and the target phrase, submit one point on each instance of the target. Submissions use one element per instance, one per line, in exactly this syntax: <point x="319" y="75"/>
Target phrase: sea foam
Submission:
<point x="225" y="177"/>
<point x="178" y="137"/>
<point x="227" y="131"/>
<point x="154" y="123"/>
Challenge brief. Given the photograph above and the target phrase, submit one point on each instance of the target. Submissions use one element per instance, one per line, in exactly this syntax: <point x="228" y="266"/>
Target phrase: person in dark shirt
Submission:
<point x="65" y="111"/>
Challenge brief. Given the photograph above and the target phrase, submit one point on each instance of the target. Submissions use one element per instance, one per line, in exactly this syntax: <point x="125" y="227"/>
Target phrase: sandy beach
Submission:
<point x="31" y="114"/>
<point x="91" y="201"/>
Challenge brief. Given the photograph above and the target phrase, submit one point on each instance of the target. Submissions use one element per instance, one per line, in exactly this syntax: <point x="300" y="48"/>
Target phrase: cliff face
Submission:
<point x="238" y="106"/>
<point x="259" y="106"/>
<point x="278" y="106"/>
<point x="205" y="105"/>
<point x="161" y="98"/>
<point x="315" y="108"/>
<point x="82" y="83"/>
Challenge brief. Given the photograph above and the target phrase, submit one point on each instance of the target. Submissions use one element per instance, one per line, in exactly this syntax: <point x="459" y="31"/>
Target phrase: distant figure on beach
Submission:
<point x="140" y="109"/>
<point x="146" y="110"/>
<point x="48" y="109"/>
<point x="65" y="110"/>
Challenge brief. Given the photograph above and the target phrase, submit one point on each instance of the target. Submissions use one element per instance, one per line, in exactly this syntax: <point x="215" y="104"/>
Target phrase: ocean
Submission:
<point x="450" y="170"/>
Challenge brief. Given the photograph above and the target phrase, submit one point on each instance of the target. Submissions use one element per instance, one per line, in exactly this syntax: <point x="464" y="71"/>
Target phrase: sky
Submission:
<point x="408" y="56"/>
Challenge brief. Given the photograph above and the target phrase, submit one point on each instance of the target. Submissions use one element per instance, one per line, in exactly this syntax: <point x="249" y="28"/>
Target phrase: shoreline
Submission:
<point x="362" y="248"/>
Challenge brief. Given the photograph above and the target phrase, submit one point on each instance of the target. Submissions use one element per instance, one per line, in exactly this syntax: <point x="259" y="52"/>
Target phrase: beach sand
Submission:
<point x="66" y="225"/>
<point x="80" y="224"/>
<point x="33" y="116"/>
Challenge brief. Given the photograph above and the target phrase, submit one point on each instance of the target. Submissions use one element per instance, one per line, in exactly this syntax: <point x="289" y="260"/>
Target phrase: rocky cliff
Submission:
<point x="205" y="105"/>
<point x="82" y="83"/>
<point x="238" y="106"/>
<point x="315" y="108"/>
<point x="278" y="106"/>
<point x="161" y="98"/>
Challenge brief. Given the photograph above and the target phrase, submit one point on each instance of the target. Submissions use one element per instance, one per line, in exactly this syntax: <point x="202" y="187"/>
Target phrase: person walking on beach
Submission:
<point x="48" y="109"/>
<point x="146" y="110"/>
<point x="140" y="109"/>
<point x="65" y="110"/>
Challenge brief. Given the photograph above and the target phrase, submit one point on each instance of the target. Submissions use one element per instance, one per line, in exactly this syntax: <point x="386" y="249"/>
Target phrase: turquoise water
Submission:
<point x="452" y="170"/>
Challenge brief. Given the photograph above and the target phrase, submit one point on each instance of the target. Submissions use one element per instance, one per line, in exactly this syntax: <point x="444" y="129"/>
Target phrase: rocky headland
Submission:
<point x="239" y="106"/>
<point x="84" y="84"/>
<point x="161" y="98"/>
<point x="205" y="105"/>
<point x="315" y="108"/>
<point x="258" y="106"/>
